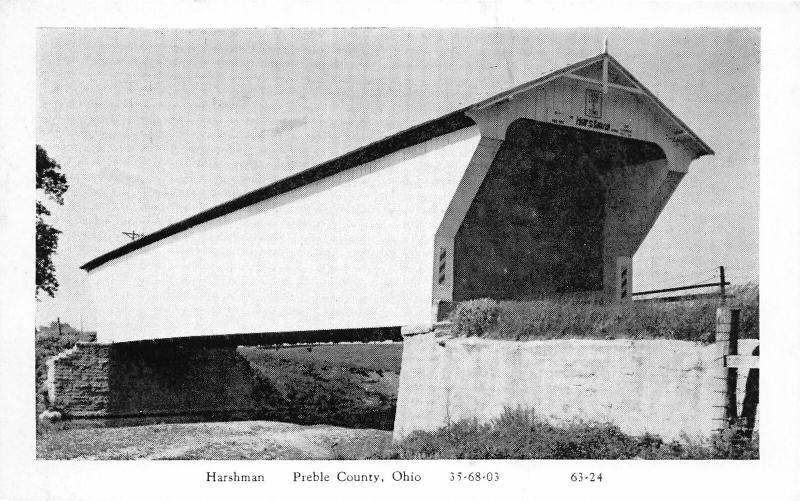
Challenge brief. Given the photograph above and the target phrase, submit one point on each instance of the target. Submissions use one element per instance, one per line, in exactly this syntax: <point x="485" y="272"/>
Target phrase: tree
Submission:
<point x="53" y="184"/>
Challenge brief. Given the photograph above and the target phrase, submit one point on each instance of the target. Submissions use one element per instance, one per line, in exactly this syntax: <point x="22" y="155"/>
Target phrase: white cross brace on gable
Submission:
<point x="603" y="82"/>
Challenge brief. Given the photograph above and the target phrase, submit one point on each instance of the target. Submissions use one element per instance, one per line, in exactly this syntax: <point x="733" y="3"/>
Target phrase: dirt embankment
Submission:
<point x="342" y="385"/>
<point x="236" y="440"/>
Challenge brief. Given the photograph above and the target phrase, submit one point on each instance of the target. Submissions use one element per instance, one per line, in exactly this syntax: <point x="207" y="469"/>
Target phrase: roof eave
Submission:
<point x="365" y="153"/>
<point x="450" y="122"/>
<point x="703" y="148"/>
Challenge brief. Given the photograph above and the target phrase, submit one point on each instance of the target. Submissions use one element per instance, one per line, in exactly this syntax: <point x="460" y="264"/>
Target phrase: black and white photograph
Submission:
<point x="367" y="255"/>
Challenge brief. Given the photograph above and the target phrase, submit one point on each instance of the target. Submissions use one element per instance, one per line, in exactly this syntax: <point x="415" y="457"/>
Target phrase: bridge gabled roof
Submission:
<point x="617" y="77"/>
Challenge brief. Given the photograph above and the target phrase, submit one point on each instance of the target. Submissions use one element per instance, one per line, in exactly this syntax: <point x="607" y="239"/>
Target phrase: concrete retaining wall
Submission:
<point x="658" y="386"/>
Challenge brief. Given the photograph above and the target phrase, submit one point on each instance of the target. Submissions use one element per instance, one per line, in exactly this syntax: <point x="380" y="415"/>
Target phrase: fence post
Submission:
<point x="726" y="343"/>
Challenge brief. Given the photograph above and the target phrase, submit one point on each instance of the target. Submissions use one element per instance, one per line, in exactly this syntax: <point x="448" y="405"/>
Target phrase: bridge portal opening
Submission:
<point x="536" y="224"/>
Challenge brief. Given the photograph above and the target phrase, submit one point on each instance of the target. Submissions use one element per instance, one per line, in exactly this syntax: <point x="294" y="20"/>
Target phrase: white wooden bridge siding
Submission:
<point x="352" y="250"/>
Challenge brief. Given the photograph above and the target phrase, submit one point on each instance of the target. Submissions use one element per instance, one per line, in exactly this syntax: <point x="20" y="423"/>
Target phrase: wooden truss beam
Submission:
<point x="632" y="90"/>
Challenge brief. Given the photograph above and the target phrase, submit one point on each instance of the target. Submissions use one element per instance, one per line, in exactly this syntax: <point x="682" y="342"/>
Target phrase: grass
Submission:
<point x="378" y="357"/>
<point x="352" y="385"/>
<point x="594" y="319"/>
<point x="519" y="434"/>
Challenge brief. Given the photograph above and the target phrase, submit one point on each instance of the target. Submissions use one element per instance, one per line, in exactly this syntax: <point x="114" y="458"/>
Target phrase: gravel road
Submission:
<point x="225" y="440"/>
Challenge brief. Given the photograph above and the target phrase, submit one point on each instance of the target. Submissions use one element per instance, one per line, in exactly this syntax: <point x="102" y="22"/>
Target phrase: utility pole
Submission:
<point x="133" y="235"/>
<point x="722" y="283"/>
<point x="58" y="321"/>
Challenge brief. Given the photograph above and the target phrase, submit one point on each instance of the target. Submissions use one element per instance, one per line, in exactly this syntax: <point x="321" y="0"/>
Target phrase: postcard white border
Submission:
<point x="773" y="477"/>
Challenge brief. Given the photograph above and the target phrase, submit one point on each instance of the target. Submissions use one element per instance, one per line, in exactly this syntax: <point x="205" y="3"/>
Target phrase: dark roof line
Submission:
<point x="373" y="151"/>
<point x="415" y="135"/>
<point x="704" y="148"/>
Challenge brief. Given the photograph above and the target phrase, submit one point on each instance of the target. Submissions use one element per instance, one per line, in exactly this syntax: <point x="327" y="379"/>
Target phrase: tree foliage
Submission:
<point x="52" y="184"/>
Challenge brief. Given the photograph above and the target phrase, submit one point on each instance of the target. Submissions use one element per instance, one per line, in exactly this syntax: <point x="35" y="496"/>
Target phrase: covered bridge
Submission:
<point x="548" y="187"/>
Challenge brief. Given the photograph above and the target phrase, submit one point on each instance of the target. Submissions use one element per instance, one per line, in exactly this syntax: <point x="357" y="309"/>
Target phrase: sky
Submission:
<point x="152" y="126"/>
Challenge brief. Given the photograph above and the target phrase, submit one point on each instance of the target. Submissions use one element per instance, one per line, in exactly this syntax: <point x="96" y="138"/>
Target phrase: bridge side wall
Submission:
<point x="350" y="251"/>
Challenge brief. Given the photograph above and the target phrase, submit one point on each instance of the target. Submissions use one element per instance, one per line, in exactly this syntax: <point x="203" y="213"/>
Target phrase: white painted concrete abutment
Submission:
<point x="664" y="387"/>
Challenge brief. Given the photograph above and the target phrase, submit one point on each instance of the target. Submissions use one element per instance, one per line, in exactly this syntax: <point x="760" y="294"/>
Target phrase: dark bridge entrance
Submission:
<point x="536" y="225"/>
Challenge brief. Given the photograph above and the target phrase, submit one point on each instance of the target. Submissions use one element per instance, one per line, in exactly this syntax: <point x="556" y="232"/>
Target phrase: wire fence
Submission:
<point x="710" y="285"/>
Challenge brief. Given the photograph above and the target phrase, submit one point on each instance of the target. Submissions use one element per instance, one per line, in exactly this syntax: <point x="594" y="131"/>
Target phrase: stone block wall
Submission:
<point x="149" y="379"/>
<point x="664" y="387"/>
<point x="77" y="379"/>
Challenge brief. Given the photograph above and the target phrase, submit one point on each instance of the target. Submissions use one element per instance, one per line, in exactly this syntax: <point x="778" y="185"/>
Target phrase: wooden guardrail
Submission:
<point x="721" y="284"/>
<point x="730" y="361"/>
